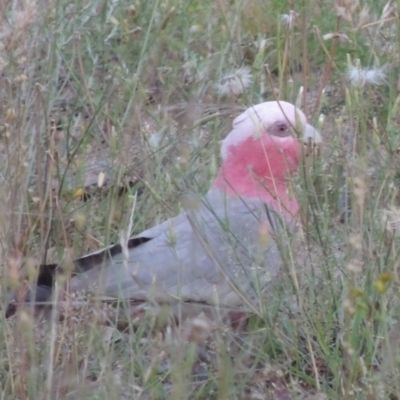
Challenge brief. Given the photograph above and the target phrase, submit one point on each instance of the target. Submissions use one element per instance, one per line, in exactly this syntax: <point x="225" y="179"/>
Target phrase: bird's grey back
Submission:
<point x="215" y="253"/>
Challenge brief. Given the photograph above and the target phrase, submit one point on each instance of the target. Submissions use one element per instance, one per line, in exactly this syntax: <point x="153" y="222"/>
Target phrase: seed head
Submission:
<point x="359" y="77"/>
<point x="235" y="83"/>
<point x="289" y="20"/>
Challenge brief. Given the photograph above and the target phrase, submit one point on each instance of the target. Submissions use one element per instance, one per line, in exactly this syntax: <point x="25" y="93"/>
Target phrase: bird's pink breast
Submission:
<point x="260" y="168"/>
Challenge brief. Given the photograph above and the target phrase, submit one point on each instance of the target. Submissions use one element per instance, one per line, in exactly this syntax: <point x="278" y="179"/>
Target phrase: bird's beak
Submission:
<point x="311" y="134"/>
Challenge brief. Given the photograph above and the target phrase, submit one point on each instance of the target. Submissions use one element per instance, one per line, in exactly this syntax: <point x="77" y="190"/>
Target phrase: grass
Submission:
<point x="128" y="89"/>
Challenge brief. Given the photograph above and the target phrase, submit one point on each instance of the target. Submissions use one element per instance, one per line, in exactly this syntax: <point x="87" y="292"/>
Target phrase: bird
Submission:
<point x="223" y="250"/>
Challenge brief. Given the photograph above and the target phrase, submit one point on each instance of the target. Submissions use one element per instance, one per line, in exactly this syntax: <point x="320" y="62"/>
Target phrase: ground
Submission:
<point x="110" y="111"/>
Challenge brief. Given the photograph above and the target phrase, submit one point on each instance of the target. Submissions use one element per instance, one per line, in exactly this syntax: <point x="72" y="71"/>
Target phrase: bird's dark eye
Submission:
<point x="280" y="129"/>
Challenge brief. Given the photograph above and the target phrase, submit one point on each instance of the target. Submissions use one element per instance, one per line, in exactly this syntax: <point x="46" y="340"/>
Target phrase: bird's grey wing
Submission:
<point x="211" y="254"/>
<point x="42" y="291"/>
<point x="98" y="257"/>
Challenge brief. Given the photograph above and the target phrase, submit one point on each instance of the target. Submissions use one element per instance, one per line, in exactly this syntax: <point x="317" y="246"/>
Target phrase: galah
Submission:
<point x="223" y="250"/>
